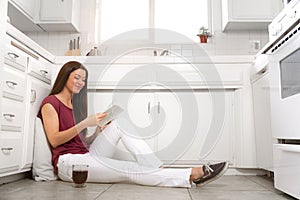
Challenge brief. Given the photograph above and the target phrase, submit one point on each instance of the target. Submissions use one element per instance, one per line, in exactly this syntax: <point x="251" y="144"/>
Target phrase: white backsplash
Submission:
<point x="233" y="43"/>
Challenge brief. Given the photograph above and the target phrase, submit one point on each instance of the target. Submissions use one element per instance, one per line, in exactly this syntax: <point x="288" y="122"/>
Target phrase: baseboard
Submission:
<point x="15" y="177"/>
<point x="246" y="172"/>
<point x="231" y="170"/>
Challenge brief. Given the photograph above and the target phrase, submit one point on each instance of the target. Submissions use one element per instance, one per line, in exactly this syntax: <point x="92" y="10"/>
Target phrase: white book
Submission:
<point x="112" y="112"/>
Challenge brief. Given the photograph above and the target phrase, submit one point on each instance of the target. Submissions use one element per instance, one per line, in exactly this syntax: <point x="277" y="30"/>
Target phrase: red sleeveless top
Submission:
<point x="66" y="121"/>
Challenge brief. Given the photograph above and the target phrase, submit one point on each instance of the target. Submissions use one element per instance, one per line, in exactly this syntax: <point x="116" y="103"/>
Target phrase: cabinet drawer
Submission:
<point x="15" y="57"/>
<point x="286" y="168"/>
<point x="39" y="70"/>
<point x="13" y="83"/>
<point x="10" y="154"/>
<point x="12" y="116"/>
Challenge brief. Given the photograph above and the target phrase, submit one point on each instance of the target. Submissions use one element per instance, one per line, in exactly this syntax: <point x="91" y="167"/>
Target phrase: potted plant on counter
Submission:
<point x="203" y="34"/>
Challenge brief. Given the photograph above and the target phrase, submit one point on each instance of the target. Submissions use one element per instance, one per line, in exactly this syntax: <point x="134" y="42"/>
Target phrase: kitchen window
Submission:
<point x="183" y="16"/>
<point x="118" y="16"/>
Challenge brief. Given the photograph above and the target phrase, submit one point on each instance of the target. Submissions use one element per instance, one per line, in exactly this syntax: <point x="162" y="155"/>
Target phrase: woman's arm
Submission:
<point x="90" y="139"/>
<point x="51" y="126"/>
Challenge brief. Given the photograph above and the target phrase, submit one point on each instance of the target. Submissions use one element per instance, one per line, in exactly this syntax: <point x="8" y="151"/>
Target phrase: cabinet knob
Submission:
<point x="11" y="84"/>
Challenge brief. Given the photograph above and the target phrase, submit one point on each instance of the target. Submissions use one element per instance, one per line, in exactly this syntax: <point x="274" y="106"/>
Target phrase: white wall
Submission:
<point x="222" y="43"/>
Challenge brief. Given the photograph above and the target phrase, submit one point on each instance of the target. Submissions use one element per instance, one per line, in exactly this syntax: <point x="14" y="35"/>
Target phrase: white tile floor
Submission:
<point x="227" y="187"/>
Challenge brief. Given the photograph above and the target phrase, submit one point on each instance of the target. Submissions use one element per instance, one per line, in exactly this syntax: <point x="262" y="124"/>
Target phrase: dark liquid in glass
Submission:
<point x="79" y="177"/>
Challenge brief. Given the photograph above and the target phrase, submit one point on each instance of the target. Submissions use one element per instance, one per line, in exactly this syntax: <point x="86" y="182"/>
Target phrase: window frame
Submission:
<point x="151" y="17"/>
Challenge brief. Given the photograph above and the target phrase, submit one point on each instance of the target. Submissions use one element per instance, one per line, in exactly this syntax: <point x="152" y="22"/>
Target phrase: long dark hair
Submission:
<point x="79" y="101"/>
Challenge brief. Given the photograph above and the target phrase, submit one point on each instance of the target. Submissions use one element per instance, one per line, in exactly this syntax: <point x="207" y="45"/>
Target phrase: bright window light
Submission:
<point x="120" y="16"/>
<point x="182" y="16"/>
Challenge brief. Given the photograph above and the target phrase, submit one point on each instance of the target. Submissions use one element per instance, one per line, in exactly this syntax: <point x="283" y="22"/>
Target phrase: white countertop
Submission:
<point x="156" y="59"/>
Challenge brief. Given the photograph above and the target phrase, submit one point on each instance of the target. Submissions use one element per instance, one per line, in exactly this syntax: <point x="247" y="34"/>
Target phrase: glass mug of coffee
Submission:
<point x="79" y="175"/>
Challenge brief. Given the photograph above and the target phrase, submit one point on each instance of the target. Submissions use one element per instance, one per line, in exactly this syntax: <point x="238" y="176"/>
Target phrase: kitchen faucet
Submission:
<point x="164" y="52"/>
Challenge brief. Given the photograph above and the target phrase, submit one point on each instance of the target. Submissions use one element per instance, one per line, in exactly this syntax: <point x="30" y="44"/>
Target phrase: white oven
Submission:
<point x="284" y="66"/>
<point x="284" y="63"/>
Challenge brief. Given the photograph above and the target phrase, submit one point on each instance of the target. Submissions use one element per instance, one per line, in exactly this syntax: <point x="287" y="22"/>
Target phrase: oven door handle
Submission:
<point x="290" y="148"/>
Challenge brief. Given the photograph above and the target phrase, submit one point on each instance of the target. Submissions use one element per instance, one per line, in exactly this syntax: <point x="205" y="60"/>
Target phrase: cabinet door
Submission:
<point x="168" y="111"/>
<point x="136" y="107"/>
<point x="249" y="15"/>
<point x="262" y="122"/>
<point x="37" y="91"/>
<point x="28" y="6"/>
<point x="162" y="119"/>
<point x="140" y="107"/>
<point x="99" y="101"/>
<point x="55" y="10"/>
<point x="39" y="70"/>
<point x="255" y="9"/>
<point x="10" y="151"/>
<point x="221" y="147"/>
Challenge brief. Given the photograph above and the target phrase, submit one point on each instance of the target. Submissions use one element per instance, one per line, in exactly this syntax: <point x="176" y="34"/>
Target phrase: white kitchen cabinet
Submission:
<point x="39" y="69"/>
<point x="14" y="56"/>
<point x="98" y="102"/>
<point x="138" y="108"/>
<point x="26" y="81"/>
<point x="43" y="15"/>
<point x="3" y="11"/>
<point x="146" y="110"/>
<point x="158" y="117"/>
<point x="12" y="123"/>
<point x="245" y="15"/>
<point x="10" y="151"/>
<point x="13" y="86"/>
<point x="262" y="122"/>
<point x="151" y="86"/>
<point x="26" y="6"/>
<point x="219" y="148"/>
<point x="59" y="15"/>
<point x="22" y="16"/>
<point x="36" y="91"/>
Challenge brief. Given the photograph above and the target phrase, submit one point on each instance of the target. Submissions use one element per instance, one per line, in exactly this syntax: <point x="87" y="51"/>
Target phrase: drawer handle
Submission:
<point x="33" y="96"/>
<point x="149" y="107"/>
<point x="13" y="55"/>
<point x="158" y="107"/>
<point x="9" y="117"/>
<point x="7" y="149"/>
<point x="44" y="72"/>
<point x="11" y="84"/>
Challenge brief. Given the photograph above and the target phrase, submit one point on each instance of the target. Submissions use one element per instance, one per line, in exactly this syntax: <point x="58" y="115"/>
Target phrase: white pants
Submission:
<point x="104" y="169"/>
